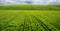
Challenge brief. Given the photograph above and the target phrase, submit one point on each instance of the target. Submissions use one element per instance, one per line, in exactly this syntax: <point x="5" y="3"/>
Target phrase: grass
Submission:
<point x="29" y="20"/>
<point x="31" y="7"/>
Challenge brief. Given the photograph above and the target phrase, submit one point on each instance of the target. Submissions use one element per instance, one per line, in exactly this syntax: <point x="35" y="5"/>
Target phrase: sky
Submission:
<point x="29" y="1"/>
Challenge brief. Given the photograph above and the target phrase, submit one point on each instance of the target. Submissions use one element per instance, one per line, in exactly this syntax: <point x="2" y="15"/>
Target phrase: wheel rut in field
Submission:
<point x="26" y="25"/>
<point x="37" y="21"/>
<point x="42" y="23"/>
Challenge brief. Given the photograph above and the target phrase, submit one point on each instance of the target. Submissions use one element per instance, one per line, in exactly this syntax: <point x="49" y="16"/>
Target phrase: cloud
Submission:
<point x="55" y="2"/>
<point x="42" y="1"/>
<point x="11" y="1"/>
<point x="38" y="1"/>
<point x="30" y="1"/>
<point x="6" y="1"/>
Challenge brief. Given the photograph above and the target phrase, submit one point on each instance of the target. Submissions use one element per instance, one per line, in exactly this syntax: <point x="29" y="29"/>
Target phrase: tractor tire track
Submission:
<point x="25" y="23"/>
<point x="41" y="23"/>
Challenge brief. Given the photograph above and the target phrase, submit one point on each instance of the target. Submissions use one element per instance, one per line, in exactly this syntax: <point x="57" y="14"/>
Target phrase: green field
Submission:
<point x="31" y="7"/>
<point x="29" y="20"/>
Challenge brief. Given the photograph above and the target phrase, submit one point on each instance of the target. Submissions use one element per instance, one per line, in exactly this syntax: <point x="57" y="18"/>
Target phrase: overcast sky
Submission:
<point x="30" y="1"/>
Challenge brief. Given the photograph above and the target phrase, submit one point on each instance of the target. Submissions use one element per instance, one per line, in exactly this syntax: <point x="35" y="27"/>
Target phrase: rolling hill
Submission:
<point x="30" y="7"/>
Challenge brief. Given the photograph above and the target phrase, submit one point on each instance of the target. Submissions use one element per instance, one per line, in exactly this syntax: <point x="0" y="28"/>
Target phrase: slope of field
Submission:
<point x="29" y="20"/>
<point x="30" y="7"/>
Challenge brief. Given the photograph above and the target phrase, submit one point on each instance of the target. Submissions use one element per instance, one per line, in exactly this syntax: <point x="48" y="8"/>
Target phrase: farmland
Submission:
<point x="30" y="18"/>
<point x="24" y="20"/>
<point x="31" y="7"/>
